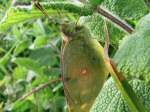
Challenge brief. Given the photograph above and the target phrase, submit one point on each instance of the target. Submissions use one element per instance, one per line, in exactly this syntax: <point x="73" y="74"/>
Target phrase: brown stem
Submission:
<point x="40" y="87"/>
<point x="114" y="19"/>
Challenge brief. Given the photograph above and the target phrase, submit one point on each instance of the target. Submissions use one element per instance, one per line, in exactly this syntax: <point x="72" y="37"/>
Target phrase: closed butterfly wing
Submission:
<point x="83" y="66"/>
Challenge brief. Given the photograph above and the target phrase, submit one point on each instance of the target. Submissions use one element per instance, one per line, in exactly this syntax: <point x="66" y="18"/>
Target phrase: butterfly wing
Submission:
<point x="84" y="72"/>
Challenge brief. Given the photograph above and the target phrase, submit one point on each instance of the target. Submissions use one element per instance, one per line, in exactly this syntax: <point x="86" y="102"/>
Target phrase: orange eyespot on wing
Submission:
<point x="84" y="72"/>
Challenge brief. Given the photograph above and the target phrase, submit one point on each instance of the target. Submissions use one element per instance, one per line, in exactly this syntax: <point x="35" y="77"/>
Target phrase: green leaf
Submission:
<point x="29" y="64"/>
<point x="24" y="106"/>
<point x="144" y="23"/>
<point x="21" y="14"/>
<point x="96" y="25"/>
<point x="40" y="41"/>
<point x="127" y="9"/>
<point x="19" y="73"/>
<point x="5" y="59"/>
<point x="40" y="79"/>
<point x="46" y="56"/>
<point x="111" y="100"/>
<point x="95" y="2"/>
<point x="132" y="57"/>
<point x="2" y="50"/>
<point x="59" y="102"/>
<point x="130" y="10"/>
<point x="1" y="106"/>
<point x="17" y="15"/>
<point x="44" y="98"/>
<point x="21" y="46"/>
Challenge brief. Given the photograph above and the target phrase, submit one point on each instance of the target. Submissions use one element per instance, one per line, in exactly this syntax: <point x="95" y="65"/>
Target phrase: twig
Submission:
<point x="40" y="87"/>
<point x="114" y="19"/>
<point x="107" y="38"/>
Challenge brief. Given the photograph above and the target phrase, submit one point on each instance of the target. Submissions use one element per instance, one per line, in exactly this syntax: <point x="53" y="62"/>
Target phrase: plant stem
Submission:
<point x="115" y="19"/>
<point x="85" y="10"/>
<point x="40" y="87"/>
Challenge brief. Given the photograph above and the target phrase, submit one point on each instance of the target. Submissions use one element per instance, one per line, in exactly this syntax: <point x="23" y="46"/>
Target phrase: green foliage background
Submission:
<point x="30" y="56"/>
<point x="30" y="53"/>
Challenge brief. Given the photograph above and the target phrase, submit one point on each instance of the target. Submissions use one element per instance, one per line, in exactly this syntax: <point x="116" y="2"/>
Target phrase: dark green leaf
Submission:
<point x="45" y="56"/>
<point x="29" y="64"/>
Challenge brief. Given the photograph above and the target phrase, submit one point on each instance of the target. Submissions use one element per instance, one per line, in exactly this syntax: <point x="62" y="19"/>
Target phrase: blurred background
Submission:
<point x="29" y="57"/>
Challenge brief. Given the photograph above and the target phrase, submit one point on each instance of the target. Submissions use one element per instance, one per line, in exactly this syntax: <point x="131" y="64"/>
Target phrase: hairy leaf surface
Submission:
<point x="111" y="100"/>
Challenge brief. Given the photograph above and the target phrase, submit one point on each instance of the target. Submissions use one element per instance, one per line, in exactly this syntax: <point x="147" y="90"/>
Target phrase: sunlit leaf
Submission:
<point x="26" y="106"/>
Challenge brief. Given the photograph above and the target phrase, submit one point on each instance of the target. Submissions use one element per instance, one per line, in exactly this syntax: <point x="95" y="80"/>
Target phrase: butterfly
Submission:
<point x="83" y="67"/>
